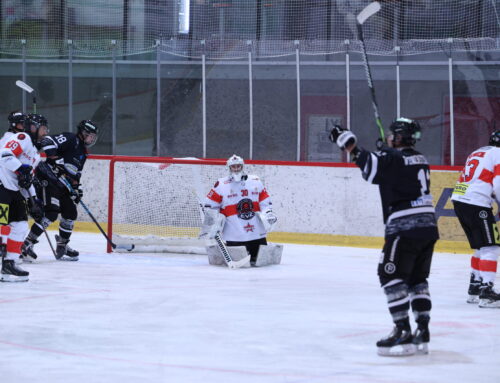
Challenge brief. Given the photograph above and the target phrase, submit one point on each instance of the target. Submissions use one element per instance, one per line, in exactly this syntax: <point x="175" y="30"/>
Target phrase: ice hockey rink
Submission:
<point x="173" y="318"/>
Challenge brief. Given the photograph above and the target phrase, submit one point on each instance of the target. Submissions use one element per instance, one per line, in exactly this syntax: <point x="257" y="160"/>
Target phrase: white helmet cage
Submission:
<point x="235" y="160"/>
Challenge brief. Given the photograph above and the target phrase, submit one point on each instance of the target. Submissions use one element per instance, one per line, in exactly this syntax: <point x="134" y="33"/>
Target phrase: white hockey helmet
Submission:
<point x="235" y="167"/>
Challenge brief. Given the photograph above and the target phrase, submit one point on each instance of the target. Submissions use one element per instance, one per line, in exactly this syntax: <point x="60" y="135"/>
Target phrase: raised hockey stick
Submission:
<point x="366" y="13"/>
<point x="111" y="243"/>
<point x="29" y="89"/>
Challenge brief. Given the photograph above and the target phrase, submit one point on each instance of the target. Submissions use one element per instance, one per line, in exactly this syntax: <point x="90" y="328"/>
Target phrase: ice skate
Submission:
<point x="474" y="290"/>
<point x="422" y="336"/>
<point x="398" y="343"/>
<point x="63" y="251"/>
<point x="12" y="273"/>
<point x="488" y="297"/>
<point x="28" y="255"/>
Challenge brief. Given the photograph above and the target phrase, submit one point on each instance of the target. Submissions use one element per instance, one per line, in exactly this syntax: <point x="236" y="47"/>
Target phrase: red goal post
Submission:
<point x="154" y="202"/>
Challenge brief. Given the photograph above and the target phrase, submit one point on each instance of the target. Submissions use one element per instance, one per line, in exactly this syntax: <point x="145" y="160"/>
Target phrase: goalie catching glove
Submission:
<point x="342" y="137"/>
<point x="268" y="219"/>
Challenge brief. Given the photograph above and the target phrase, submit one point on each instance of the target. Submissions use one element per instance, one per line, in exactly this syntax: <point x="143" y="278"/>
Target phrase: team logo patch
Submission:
<point x="483" y="214"/>
<point x="4" y="213"/>
<point x="390" y="268"/>
<point x="21" y="136"/>
<point x="245" y="209"/>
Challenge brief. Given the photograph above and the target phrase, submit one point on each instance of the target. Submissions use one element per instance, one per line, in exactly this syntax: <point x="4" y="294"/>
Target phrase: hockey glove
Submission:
<point x="77" y="195"/>
<point x="24" y="176"/>
<point x="35" y="208"/>
<point x="342" y="137"/>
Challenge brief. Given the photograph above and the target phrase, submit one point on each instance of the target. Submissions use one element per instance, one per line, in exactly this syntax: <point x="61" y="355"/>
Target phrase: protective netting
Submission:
<point x="158" y="204"/>
<point x="226" y="29"/>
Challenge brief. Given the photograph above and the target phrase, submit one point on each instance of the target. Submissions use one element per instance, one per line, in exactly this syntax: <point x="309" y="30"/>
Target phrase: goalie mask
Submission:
<point x="406" y="132"/>
<point x="88" y="132"/>
<point x="18" y="122"/>
<point x="495" y="138"/>
<point x="235" y="167"/>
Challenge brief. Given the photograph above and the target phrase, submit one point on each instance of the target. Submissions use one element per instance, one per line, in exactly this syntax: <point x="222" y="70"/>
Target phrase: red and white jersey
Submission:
<point x="479" y="181"/>
<point x="16" y="149"/>
<point x="240" y="202"/>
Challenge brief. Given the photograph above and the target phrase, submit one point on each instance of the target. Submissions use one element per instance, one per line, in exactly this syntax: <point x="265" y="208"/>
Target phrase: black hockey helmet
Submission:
<point x="495" y="138"/>
<point x="15" y="118"/>
<point x="36" y="120"/>
<point x="88" y="132"/>
<point x="407" y="129"/>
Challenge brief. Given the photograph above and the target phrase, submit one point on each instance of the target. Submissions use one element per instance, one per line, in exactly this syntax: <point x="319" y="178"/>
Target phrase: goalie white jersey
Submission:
<point x="239" y="202"/>
<point x="479" y="180"/>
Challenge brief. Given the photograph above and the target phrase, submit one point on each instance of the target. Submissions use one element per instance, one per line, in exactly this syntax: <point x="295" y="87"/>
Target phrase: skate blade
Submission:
<point x="14" y="278"/>
<point x="489" y="304"/>
<point x="399" y="350"/>
<point x="422" y="348"/>
<point x="473" y="299"/>
<point x="67" y="259"/>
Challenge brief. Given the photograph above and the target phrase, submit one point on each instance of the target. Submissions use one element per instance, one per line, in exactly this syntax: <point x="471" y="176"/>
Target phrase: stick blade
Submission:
<point x="368" y="11"/>
<point x="24" y="86"/>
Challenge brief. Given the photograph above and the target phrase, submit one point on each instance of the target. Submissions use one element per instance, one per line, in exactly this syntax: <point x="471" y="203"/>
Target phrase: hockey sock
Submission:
<point x="397" y="299"/>
<point x="488" y="263"/>
<point x="420" y="299"/>
<point x="474" y="264"/>
<point x="66" y="228"/>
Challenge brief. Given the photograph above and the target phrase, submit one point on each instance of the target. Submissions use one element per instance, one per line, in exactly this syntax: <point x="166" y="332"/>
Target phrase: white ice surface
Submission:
<point x="173" y="318"/>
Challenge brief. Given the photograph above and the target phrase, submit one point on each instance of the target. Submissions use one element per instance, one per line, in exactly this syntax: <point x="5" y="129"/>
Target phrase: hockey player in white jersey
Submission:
<point x="240" y="208"/>
<point x="477" y="188"/>
<point x="18" y="158"/>
<point x="17" y="123"/>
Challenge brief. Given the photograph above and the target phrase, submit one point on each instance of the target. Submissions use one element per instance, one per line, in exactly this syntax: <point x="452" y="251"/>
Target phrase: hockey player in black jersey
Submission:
<point x="411" y="230"/>
<point x="66" y="155"/>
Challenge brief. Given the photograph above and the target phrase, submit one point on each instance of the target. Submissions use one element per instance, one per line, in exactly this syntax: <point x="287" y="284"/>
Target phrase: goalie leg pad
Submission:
<point x="269" y="254"/>
<point x="216" y="258"/>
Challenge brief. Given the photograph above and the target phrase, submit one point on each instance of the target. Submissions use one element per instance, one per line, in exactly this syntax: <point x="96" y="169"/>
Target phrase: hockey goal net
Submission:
<point x="154" y="203"/>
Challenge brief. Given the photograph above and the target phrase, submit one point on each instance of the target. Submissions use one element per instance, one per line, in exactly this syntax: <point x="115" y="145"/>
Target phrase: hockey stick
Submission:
<point x="232" y="264"/>
<point x="43" y="228"/>
<point x="29" y="89"/>
<point x="367" y="12"/>
<point x="113" y="245"/>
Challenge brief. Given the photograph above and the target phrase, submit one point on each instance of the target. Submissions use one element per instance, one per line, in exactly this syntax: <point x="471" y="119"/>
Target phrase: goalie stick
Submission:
<point x="113" y="245"/>
<point x="28" y="89"/>
<point x="366" y="13"/>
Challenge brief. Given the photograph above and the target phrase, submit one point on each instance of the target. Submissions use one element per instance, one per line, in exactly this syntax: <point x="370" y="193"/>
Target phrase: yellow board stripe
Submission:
<point x="460" y="247"/>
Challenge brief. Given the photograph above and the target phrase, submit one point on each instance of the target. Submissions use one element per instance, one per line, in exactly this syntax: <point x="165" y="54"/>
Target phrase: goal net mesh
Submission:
<point x="228" y="29"/>
<point x="156" y="206"/>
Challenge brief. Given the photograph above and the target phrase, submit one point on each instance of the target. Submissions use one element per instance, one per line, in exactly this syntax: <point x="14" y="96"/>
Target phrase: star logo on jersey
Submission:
<point x="248" y="227"/>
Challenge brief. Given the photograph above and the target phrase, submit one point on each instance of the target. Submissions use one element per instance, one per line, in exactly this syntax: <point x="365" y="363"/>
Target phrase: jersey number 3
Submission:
<point x="424" y="177"/>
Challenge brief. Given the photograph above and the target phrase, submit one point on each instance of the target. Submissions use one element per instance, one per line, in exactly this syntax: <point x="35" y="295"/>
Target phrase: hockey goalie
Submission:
<point x="238" y="216"/>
